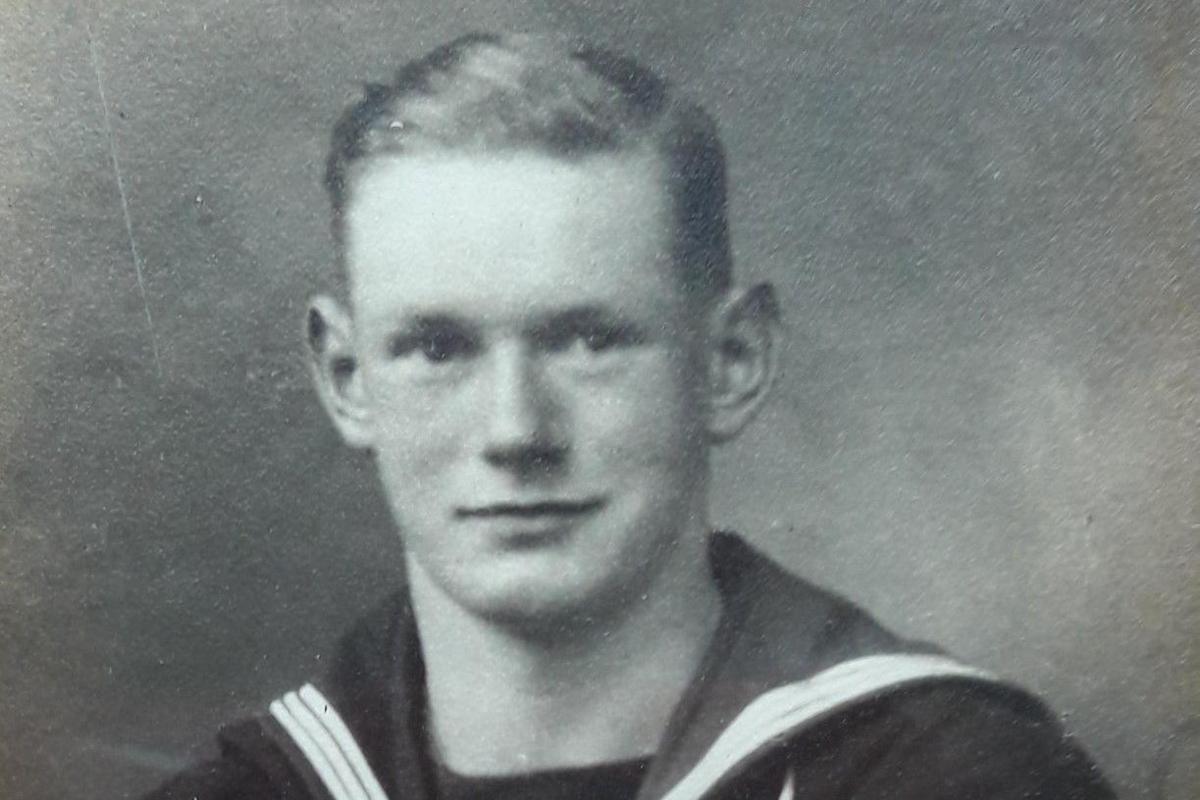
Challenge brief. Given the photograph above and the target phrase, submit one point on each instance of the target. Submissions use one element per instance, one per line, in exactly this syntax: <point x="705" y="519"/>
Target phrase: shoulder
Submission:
<point x="788" y="627"/>
<point x="884" y="716"/>
<point x="249" y="766"/>
<point x="256" y="752"/>
<point x="219" y="779"/>
<point x="949" y="738"/>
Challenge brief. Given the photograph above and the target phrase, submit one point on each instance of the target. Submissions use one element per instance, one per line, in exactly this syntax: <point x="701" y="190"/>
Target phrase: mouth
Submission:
<point x="531" y="511"/>
<point x="527" y="526"/>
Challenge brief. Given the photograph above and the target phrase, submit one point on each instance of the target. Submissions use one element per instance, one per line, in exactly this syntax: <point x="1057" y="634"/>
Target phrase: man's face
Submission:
<point x="528" y="365"/>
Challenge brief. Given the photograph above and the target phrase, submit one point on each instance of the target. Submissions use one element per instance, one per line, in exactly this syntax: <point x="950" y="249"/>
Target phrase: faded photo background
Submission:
<point x="981" y="217"/>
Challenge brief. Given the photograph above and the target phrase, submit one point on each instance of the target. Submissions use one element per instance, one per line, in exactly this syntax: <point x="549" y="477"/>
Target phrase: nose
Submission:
<point x="521" y="433"/>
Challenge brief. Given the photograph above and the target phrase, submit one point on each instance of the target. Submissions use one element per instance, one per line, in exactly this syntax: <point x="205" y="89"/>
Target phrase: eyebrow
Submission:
<point x="581" y="316"/>
<point x="574" y="316"/>
<point x="419" y="323"/>
<point x="405" y="333"/>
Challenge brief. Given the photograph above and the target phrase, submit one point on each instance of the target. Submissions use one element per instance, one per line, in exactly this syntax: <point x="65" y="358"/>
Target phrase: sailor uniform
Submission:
<point x="801" y="696"/>
<point x="618" y="779"/>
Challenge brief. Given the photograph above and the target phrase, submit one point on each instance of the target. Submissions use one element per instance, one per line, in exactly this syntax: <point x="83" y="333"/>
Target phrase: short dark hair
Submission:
<point x="563" y="97"/>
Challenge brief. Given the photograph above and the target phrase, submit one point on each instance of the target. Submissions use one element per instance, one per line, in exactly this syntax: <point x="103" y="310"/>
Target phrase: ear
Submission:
<point x="329" y="333"/>
<point x="742" y="358"/>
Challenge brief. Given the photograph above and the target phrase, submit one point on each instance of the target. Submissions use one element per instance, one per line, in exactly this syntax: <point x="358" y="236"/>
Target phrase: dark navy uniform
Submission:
<point x="801" y="695"/>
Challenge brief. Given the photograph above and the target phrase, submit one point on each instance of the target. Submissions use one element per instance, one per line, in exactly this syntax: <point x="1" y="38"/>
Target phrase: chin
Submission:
<point x="543" y="608"/>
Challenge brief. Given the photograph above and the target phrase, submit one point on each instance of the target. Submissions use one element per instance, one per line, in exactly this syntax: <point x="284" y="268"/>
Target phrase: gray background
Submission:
<point x="981" y="217"/>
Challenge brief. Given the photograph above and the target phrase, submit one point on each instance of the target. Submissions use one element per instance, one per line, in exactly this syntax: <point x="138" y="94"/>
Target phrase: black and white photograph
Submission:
<point x="634" y="400"/>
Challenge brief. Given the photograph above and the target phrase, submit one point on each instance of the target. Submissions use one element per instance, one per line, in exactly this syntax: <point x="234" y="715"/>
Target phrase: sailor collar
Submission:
<point x="786" y="657"/>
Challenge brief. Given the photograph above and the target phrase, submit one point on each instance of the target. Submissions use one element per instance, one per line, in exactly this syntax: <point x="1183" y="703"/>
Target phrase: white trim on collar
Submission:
<point x="326" y="742"/>
<point x="322" y="736"/>
<point x="784" y="710"/>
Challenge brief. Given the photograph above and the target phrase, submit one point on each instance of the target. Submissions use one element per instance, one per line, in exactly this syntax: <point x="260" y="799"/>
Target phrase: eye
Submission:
<point x="599" y="338"/>
<point x="435" y="345"/>
<point x="583" y="338"/>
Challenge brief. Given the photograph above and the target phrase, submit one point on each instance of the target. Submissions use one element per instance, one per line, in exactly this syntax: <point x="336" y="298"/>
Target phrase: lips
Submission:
<point x="541" y="509"/>
<point x="529" y="525"/>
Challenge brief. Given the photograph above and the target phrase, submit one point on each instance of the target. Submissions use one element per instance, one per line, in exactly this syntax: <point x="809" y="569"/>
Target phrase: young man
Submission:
<point x="539" y="339"/>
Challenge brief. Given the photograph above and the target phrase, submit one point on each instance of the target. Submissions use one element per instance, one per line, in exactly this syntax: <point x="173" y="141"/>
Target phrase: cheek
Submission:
<point x="419" y="435"/>
<point x="651" y="417"/>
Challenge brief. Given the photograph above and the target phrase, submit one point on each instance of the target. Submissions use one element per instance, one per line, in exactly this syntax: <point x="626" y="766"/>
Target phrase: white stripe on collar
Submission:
<point x="785" y="710"/>
<point x="323" y="738"/>
<point x="789" y="786"/>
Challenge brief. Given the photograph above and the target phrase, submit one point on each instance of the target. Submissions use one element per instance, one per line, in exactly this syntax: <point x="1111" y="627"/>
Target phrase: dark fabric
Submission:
<point x="251" y="766"/>
<point x="776" y="629"/>
<point x="945" y="740"/>
<point x="950" y="738"/>
<point x="227" y="778"/>
<point x="615" y="781"/>
<point x="377" y="684"/>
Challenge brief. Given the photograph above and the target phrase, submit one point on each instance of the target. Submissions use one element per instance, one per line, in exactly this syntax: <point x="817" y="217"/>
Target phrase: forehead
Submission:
<point x="519" y="228"/>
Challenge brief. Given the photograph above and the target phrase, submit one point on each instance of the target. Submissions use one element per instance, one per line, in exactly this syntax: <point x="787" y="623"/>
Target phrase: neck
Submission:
<point x="503" y="703"/>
